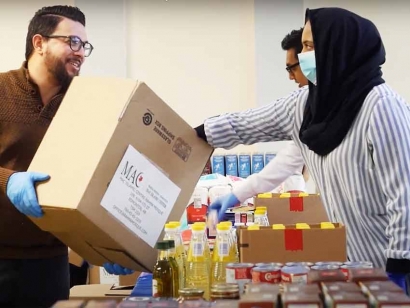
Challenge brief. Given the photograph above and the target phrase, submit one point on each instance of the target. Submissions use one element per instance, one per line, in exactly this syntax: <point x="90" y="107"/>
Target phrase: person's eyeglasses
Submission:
<point x="75" y="43"/>
<point x="289" y="68"/>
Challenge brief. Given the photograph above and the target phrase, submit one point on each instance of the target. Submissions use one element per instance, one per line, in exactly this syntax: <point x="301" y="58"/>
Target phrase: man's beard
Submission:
<point x="57" y="68"/>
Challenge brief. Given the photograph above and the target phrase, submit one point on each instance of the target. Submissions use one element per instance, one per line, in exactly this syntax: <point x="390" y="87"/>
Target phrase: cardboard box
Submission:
<point x="74" y="258"/>
<point x="292" y="245"/>
<point x="292" y="208"/>
<point x="122" y="163"/>
<point x="98" y="275"/>
<point x="99" y="292"/>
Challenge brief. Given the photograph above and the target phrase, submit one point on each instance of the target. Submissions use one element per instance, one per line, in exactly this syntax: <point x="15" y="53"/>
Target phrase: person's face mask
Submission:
<point x="307" y="62"/>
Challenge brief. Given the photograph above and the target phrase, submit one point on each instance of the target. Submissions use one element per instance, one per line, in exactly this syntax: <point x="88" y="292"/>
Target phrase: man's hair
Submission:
<point x="46" y="20"/>
<point x="293" y="40"/>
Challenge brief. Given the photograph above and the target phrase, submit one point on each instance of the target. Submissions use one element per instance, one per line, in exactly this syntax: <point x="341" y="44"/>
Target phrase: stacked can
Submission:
<point x="296" y="272"/>
<point x="267" y="273"/>
<point x="345" y="267"/>
<point x="240" y="273"/>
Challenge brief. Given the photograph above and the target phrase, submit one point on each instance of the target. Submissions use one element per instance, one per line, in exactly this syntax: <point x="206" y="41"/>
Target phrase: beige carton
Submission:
<point x="122" y="163"/>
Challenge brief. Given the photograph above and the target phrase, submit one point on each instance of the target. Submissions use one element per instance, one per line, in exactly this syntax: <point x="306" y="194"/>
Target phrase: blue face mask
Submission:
<point x="307" y="62"/>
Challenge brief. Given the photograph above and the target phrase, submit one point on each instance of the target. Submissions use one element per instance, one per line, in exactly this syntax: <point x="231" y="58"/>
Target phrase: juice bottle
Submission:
<point x="221" y="254"/>
<point x="172" y="233"/>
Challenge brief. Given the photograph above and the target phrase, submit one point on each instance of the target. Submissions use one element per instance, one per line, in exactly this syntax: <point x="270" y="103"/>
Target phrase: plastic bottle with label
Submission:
<point x="163" y="273"/>
<point x="171" y="233"/>
<point x="260" y="218"/>
<point x="221" y="254"/>
<point x="197" y="272"/>
<point x="233" y="253"/>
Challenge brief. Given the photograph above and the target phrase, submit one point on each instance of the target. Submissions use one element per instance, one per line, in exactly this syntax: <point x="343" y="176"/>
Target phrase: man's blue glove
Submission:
<point x="22" y="193"/>
<point x="223" y="203"/>
<point x="116" y="269"/>
<point x="400" y="280"/>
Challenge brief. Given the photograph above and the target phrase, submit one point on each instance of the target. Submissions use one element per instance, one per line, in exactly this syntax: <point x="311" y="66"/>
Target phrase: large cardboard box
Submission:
<point x="122" y="163"/>
<point x="289" y="208"/>
<point x="293" y="245"/>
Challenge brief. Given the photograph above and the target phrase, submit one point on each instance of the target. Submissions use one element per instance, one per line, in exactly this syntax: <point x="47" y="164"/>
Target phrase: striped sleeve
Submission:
<point x="388" y="133"/>
<point x="271" y="122"/>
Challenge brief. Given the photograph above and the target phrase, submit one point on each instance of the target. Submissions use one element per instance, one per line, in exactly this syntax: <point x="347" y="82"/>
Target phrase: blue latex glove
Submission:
<point x="116" y="269"/>
<point x="22" y="193"/>
<point x="400" y="280"/>
<point x="223" y="203"/>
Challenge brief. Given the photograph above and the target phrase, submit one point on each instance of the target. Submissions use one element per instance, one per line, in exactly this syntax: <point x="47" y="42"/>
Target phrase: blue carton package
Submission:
<point x="244" y="165"/>
<point x="269" y="156"/>
<point x="257" y="162"/>
<point x="218" y="164"/>
<point x="231" y="164"/>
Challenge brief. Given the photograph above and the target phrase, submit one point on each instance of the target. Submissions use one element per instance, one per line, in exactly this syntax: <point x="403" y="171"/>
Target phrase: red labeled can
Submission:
<point x="306" y="264"/>
<point x="239" y="273"/>
<point x="334" y="263"/>
<point x="324" y="267"/>
<point x="266" y="274"/>
<point x="295" y="274"/>
<point x="352" y="265"/>
<point x="268" y="264"/>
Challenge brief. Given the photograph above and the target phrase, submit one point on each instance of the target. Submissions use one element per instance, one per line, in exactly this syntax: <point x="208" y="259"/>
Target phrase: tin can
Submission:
<point x="268" y="274"/>
<point x="324" y="267"/>
<point x="268" y="264"/>
<point x="295" y="274"/>
<point x="362" y="264"/>
<point x="308" y="264"/>
<point x="351" y="265"/>
<point x="239" y="273"/>
<point x="329" y="263"/>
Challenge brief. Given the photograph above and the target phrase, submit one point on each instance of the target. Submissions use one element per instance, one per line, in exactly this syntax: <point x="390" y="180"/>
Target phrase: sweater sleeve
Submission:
<point x="4" y="178"/>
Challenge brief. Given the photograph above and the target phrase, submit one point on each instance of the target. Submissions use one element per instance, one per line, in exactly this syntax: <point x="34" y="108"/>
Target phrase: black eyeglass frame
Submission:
<point x="88" y="48"/>
<point x="290" y="67"/>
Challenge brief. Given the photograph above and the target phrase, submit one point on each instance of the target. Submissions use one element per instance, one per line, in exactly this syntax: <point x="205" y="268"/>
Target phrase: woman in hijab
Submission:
<point x="353" y="131"/>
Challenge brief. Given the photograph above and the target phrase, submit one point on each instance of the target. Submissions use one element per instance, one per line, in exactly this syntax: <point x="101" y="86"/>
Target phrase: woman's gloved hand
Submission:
<point x="223" y="203"/>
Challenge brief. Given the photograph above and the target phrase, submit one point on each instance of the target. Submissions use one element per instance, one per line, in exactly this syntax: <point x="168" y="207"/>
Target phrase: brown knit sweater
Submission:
<point x="23" y="122"/>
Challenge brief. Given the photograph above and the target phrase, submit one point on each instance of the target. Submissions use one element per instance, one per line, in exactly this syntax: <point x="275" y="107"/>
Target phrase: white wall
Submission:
<point x="14" y="19"/>
<point x="198" y="55"/>
<point x="106" y="30"/>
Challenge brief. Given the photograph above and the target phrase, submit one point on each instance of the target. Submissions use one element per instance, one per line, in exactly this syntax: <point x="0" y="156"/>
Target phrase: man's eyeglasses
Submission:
<point x="289" y="68"/>
<point x="75" y="43"/>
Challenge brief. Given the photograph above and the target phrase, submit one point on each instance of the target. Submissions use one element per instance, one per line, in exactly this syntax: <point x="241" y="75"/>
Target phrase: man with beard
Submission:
<point x="34" y="267"/>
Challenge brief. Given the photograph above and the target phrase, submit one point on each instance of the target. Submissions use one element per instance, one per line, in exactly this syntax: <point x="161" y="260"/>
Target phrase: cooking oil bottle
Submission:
<point x="222" y="254"/>
<point x="175" y="268"/>
<point x="233" y="253"/>
<point x="163" y="273"/>
<point x="207" y="248"/>
<point x="171" y="233"/>
<point x="197" y="273"/>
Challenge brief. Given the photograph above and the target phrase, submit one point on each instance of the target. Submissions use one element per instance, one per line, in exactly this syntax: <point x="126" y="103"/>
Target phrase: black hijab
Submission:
<point x="349" y="52"/>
